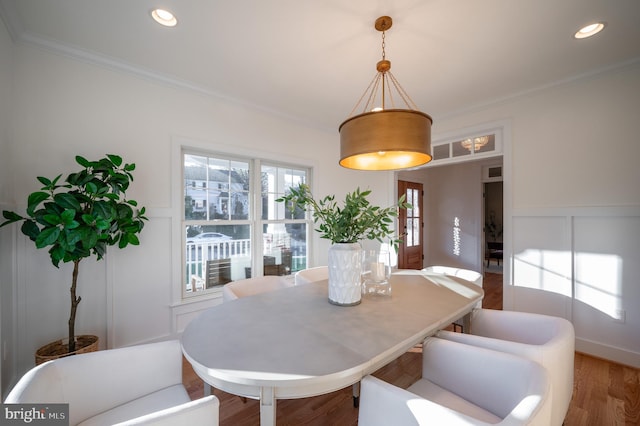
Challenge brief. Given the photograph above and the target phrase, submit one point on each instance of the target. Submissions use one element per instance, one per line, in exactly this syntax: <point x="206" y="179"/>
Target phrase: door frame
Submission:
<point x="402" y="215"/>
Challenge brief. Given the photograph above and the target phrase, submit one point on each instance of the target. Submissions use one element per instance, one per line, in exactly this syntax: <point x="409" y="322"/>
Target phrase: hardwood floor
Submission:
<point x="605" y="393"/>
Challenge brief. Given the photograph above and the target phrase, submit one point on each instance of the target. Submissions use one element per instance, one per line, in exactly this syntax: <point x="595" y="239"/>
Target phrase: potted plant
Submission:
<point x="79" y="218"/>
<point x="345" y="227"/>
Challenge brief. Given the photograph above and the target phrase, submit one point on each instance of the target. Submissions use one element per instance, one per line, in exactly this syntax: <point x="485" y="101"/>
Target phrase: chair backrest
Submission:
<point x="250" y="286"/>
<point x="521" y="387"/>
<point x="492" y="245"/>
<point x="311" y="275"/>
<point x="465" y="274"/>
<point x="95" y="382"/>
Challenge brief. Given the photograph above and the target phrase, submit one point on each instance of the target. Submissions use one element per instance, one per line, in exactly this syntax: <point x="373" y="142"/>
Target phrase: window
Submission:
<point x="226" y="236"/>
<point x="477" y="145"/>
<point x="283" y="231"/>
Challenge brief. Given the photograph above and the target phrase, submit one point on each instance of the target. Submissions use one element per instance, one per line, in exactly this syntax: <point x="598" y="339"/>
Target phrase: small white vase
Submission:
<point x="345" y="269"/>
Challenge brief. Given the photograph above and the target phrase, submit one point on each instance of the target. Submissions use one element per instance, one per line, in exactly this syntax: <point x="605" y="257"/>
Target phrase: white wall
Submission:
<point x="572" y="200"/>
<point x="64" y="107"/>
<point x="7" y="361"/>
<point x="450" y="192"/>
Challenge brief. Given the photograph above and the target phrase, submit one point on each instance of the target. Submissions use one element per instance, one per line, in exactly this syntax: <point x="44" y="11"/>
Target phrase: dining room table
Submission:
<point x="292" y="343"/>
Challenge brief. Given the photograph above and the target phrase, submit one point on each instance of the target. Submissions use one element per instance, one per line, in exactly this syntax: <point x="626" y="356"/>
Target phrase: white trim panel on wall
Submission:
<point x="580" y="263"/>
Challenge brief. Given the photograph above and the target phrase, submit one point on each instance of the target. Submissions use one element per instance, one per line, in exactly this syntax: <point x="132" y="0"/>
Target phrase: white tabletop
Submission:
<point x="292" y="343"/>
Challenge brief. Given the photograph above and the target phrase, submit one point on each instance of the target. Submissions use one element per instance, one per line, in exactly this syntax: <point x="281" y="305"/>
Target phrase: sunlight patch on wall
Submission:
<point x="546" y="270"/>
<point x="597" y="277"/>
<point x="599" y="282"/>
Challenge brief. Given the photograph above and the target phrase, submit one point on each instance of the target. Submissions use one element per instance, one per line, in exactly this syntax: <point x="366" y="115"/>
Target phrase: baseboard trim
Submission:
<point x="610" y="353"/>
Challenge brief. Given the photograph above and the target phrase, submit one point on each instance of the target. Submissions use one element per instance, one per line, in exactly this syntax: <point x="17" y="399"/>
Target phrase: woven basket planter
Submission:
<point x="60" y="348"/>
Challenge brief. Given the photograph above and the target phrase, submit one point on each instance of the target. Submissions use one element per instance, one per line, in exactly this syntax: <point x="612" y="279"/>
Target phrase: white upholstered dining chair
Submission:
<point x="311" y="275"/>
<point x="547" y="340"/>
<point x="133" y="385"/>
<point x="466" y="274"/>
<point x="251" y="286"/>
<point x="461" y="385"/>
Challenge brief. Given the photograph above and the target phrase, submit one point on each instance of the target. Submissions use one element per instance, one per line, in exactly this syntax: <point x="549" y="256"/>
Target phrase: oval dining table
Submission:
<point x="293" y="343"/>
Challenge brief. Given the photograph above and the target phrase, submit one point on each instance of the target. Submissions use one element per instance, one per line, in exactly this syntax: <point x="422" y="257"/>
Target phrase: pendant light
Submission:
<point x="384" y="137"/>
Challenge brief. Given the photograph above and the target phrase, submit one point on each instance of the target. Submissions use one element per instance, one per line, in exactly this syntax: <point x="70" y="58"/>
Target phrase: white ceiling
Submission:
<point x="313" y="59"/>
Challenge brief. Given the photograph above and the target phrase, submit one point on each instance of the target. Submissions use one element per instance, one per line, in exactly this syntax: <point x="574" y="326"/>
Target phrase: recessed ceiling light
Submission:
<point x="164" y="17"/>
<point x="589" y="30"/>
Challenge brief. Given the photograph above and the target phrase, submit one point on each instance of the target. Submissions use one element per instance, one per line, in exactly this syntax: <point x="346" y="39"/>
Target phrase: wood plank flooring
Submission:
<point x="605" y="393"/>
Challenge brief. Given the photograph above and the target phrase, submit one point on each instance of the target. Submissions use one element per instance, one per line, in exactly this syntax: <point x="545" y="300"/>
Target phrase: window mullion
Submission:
<point x="256" y="219"/>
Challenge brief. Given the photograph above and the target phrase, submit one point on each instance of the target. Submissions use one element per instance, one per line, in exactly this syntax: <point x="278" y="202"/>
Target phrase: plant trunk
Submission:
<point x="74" y="306"/>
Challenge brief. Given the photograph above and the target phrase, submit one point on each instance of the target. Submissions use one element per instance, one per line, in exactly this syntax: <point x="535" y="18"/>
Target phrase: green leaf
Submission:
<point x="91" y="188"/>
<point x="82" y="161"/>
<point x="74" y="236"/>
<point x="102" y="224"/>
<point x="89" y="240"/>
<point x="100" y="250"/>
<point x="103" y="209"/>
<point x="88" y="219"/>
<point x="35" y="198"/>
<point x="68" y="216"/>
<point x="30" y="229"/>
<point x="57" y="254"/>
<point x="47" y="237"/>
<point x="45" y="181"/>
<point x="115" y="159"/>
<point x="52" y="219"/>
<point x="67" y="200"/>
<point x="11" y="217"/>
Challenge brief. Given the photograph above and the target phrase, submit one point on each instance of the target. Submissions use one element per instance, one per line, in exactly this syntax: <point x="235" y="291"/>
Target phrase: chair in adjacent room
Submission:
<point x="461" y="385"/>
<point x="547" y="340"/>
<point x="218" y="272"/>
<point x="137" y="385"/>
<point x="311" y="275"/>
<point x="494" y="251"/>
<point x="465" y="274"/>
<point x="250" y="286"/>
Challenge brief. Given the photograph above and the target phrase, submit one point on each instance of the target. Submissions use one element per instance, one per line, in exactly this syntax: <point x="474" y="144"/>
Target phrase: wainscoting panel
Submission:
<point x="582" y="264"/>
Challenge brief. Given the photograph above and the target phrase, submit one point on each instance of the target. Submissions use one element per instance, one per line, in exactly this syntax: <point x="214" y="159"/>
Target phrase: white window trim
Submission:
<point x="178" y="145"/>
<point x="496" y="128"/>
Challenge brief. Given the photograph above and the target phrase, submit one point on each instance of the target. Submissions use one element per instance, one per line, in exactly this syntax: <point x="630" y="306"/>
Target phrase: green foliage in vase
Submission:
<point x="356" y="220"/>
<point x="81" y="216"/>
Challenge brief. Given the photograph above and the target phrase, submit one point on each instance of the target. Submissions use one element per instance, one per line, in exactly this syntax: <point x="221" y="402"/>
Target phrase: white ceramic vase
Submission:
<point x="345" y="269"/>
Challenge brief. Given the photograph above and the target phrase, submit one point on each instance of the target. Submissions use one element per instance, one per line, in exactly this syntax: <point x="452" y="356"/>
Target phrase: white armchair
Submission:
<point x="133" y="385"/>
<point x="252" y="286"/>
<point x="547" y="340"/>
<point x="466" y="274"/>
<point x="461" y="385"/>
<point x="311" y="275"/>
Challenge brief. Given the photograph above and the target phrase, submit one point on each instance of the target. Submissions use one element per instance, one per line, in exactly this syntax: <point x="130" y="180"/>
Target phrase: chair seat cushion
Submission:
<point x="441" y="396"/>
<point x="165" y="398"/>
